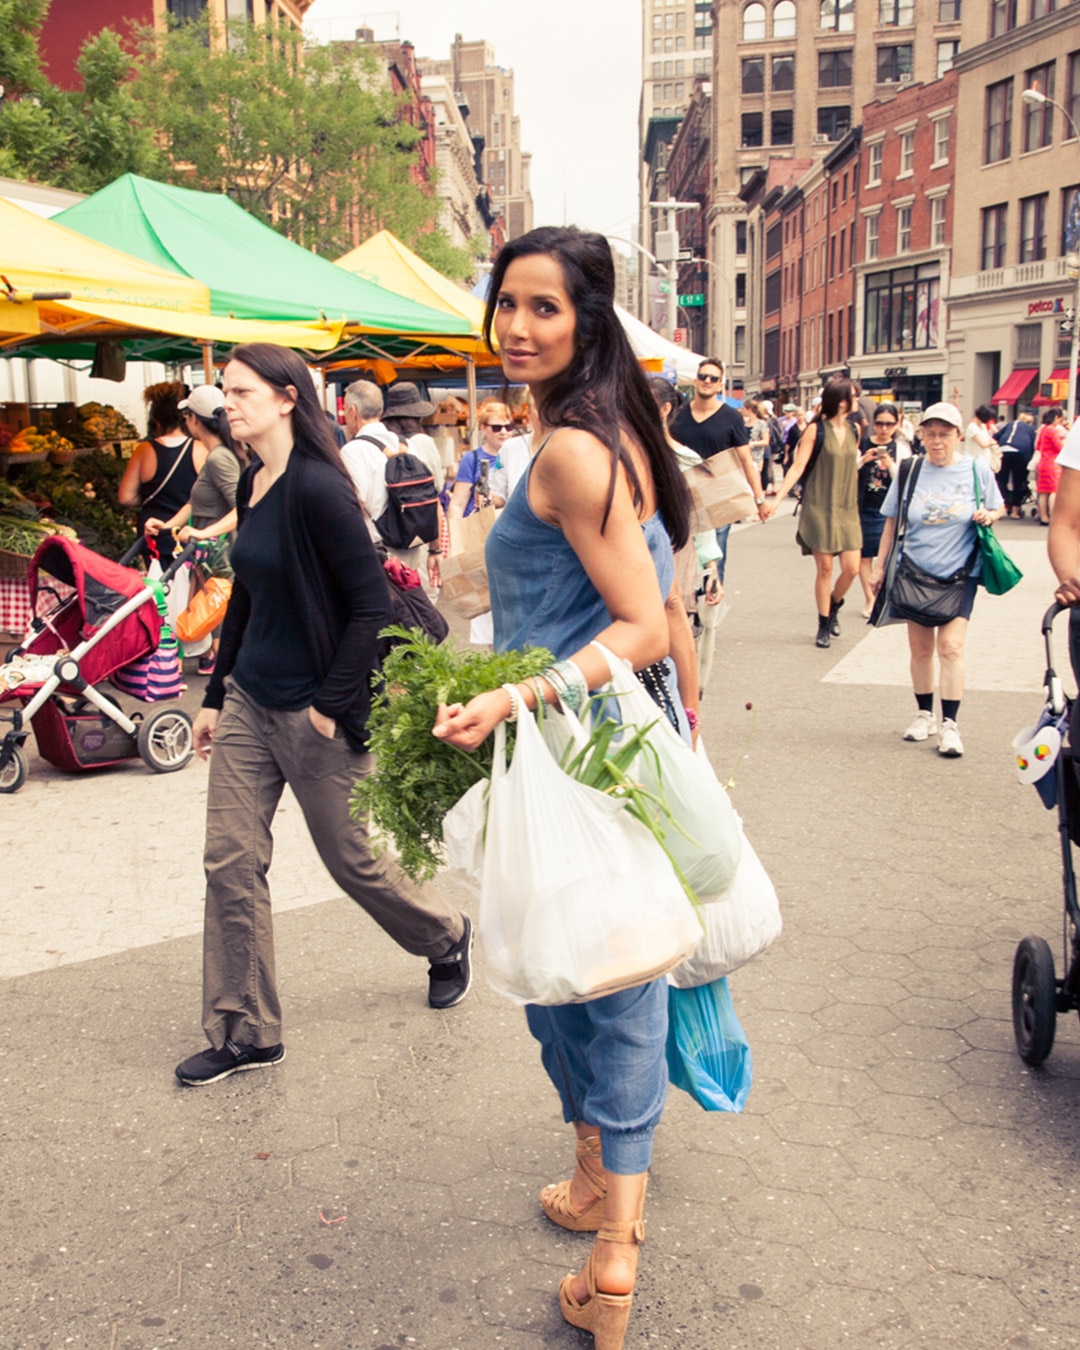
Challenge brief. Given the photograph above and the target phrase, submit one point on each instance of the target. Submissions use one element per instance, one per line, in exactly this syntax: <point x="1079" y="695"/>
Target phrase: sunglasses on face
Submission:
<point x="709" y="379"/>
<point x="500" y="426"/>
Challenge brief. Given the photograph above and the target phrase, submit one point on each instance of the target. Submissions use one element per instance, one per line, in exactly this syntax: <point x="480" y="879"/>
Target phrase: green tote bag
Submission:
<point x="999" y="573"/>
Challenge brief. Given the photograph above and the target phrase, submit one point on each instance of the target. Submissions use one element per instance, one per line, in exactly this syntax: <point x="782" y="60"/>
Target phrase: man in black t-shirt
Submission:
<point x="708" y="425"/>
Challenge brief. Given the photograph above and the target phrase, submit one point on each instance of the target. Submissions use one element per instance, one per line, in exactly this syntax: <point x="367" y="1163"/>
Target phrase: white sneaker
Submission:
<point x="923" y="727"/>
<point x="950" y="745"/>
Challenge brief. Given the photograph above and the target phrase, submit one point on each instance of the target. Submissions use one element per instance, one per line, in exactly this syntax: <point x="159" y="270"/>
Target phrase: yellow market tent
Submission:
<point x="385" y="260"/>
<point x="60" y="289"/>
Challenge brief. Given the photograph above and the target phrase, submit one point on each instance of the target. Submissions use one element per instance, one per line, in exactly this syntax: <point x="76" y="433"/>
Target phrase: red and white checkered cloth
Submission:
<point x="15" y="610"/>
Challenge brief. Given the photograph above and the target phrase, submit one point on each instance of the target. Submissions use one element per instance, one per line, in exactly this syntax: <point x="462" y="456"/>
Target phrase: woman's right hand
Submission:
<point x="202" y="731"/>
<point x="766" y="510"/>
<point x="1068" y="592"/>
<point x="153" y="527"/>
<point x="468" y="725"/>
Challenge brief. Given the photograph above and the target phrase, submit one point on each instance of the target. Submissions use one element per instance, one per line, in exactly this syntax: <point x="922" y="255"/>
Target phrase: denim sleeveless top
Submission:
<point x="541" y="595"/>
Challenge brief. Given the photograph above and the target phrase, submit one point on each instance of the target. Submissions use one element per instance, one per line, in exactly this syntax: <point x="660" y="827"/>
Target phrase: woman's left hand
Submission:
<point x="187" y="533"/>
<point x="434" y="571"/>
<point x="468" y="725"/>
<point x="325" y="726"/>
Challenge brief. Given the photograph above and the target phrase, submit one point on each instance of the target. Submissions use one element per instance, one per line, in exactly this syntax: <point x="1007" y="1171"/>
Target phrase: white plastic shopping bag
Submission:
<point x="708" y="845"/>
<point x="463" y="836"/>
<point x="739" y="929"/>
<point x="578" y="899"/>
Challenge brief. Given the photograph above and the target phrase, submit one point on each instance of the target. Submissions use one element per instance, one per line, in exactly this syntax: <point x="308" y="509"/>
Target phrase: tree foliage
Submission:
<point x="308" y="139"/>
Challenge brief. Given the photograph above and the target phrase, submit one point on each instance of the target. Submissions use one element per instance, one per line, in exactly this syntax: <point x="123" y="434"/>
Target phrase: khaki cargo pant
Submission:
<point x="256" y="751"/>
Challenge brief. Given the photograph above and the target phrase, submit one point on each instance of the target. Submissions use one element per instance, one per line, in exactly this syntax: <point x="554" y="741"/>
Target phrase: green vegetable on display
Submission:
<point x="417" y="779"/>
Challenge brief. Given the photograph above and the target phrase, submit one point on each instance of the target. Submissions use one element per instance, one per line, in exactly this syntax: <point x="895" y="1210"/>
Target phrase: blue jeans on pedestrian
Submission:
<point x="721" y="543"/>
<point x="607" y="1058"/>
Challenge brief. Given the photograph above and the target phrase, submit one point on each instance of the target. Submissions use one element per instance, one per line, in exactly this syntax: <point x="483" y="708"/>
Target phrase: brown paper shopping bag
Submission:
<point x="719" y="493"/>
<point x="464" y="573"/>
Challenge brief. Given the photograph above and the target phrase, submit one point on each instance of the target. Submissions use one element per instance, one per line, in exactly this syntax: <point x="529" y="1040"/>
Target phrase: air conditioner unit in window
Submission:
<point x="906" y="77"/>
<point x="821" y="139"/>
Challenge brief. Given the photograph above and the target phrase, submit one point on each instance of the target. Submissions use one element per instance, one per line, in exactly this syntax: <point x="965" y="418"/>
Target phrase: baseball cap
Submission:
<point x="944" y="412"/>
<point x="204" y="401"/>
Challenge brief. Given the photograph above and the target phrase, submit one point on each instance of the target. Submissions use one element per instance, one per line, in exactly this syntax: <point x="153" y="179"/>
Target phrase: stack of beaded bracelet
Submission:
<point x="568" y="683"/>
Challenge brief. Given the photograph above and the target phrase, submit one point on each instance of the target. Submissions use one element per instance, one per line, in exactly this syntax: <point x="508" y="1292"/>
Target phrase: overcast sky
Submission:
<point x="577" y="79"/>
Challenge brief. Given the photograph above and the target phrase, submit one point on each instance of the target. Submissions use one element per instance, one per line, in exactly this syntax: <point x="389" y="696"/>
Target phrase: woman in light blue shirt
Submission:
<point x="940" y="538"/>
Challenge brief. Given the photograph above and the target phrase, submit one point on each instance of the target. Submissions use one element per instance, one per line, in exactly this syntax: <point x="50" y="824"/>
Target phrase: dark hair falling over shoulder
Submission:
<point x="281" y="368"/>
<point x="603" y="390"/>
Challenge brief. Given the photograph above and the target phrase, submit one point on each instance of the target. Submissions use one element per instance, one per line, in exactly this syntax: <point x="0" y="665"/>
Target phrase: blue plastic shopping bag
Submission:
<point x="707" y="1051"/>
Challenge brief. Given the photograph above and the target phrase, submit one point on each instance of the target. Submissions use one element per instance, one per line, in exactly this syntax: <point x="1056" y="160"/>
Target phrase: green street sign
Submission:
<point x="665" y="287"/>
<point x="690" y="301"/>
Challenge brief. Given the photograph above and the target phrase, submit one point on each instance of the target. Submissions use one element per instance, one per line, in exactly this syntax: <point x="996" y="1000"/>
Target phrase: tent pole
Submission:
<point x="470" y="380"/>
<point x="208" y="362"/>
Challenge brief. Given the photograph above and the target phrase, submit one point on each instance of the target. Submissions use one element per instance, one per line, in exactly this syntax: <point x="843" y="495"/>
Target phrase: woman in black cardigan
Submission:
<point x="288" y="703"/>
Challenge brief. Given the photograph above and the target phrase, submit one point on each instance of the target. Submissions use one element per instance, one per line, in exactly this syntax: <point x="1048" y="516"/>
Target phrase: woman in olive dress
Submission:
<point x="829" y="525"/>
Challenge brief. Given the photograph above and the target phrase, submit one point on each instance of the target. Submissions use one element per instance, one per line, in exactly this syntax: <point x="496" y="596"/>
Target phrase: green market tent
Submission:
<point x="252" y="271"/>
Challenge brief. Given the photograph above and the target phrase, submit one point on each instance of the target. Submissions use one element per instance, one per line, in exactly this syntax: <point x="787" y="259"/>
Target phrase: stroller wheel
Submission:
<point x="1034" y="1000"/>
<point x="165" y="740"/>
<point x="13" y="774"/>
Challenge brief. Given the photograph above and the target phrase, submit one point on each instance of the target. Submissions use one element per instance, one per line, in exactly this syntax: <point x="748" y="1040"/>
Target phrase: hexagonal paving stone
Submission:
<point x="809" y="1123"/>
<point x="916" y="1077"/>
<point x="889" y="1206"/>
<point x="792" y="1167"/>
<point x="786" y="1217"/>
<point x="845" y="1050"/>
<point x="961" y="1307"/>
<point x="910" y="1117"/>
<point x="925" y="1043"/>
<point x="870" y="1021"/>
<point x="985" y="1246"/>
<point x="945" y="1013"/>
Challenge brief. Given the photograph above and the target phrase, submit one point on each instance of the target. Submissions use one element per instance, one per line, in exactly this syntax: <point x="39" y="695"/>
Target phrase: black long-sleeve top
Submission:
<point x="309" y="598"/>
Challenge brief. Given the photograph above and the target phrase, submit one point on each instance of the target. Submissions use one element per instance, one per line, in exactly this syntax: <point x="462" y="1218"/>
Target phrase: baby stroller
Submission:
<point x="92" y="618"/>
<point x="1048" y="756"/>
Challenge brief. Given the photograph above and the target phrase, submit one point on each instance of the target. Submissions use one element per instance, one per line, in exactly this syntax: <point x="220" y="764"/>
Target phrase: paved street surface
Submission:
<point x="898" y="1179"/>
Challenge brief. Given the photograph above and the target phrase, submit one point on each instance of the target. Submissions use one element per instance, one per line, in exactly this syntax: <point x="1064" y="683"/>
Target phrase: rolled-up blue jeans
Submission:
<point x="607" y="1060"/>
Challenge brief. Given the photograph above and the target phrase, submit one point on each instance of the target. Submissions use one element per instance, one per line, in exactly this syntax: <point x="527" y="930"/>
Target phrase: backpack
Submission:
<point x="777" y="445"/>
<point x="412" y="504"/>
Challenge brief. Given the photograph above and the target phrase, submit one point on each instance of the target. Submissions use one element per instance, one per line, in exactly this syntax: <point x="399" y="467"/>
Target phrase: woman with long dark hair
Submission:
<point x="828" y="455"/>
<point x="288" y="704"/>
<point x="583" y="551"/>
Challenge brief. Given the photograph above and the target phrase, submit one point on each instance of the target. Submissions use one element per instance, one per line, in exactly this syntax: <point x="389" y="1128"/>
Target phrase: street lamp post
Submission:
<point x="729" y="356"/>
<point x="1037" y="97"/>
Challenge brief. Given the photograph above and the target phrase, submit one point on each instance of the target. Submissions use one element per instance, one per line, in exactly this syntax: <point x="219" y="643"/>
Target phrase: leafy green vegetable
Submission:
<point x="417" y="779"/>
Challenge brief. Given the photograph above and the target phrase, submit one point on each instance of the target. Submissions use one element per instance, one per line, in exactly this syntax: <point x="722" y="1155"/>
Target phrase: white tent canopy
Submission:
<point x="650" y="345"/>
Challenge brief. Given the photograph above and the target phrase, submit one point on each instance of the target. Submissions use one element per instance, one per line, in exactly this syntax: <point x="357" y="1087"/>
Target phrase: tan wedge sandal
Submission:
<point x="555" y="1200"/>
<point x="606" y="1316"/>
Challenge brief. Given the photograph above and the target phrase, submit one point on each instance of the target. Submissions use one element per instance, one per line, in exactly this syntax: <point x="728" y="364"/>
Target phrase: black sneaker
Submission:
<point x="211" y="1065"/>
<point x="450" y="978"/>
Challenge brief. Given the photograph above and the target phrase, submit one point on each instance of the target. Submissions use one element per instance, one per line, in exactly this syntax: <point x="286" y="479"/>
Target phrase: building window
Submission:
<point x="894" y="64"/>
<point x="669" y="22"/>
<point x="783" y="19"/>
<point x="1041" y="7"/>
<point x="772" y="293"/>
<point x="657" y="21"/>
<point x="740" y="237"/>
<point x="998" y="140"/>
<point x="829" y="344"/>
<point x="753" y="23"/>
<point x="679" y="67"/>
<point x="872" y="223"/>
<point x="1039" y="117"/>
<point x="1002" y="17"/>
<point x="1070" y="202"/>
<point x="873" y="172"/>
<point x="783" y="73"/>
<point x="680" y="90"/>
<point x="782" y="127"/>
<point x="752" y="134"/>
<point x="1029" y="344"/>
<point x="773" y="242"/>
<point x="740" y="345"/>
<point x="941" y="141"/>
<point x="657" y="45"/>
<point x="740" y="290"/>
<point x="843" y="241"/>
<point x="898" y="13"/>
<point x="657" y="69"/>
<point x="903" y="230"/>
<point x="834" y="70"/>
<point x="937" y="222"/>
<point x="838" y="16"/>
<point x="1072" y="93"/>
<point x="948" y="11"/>
<point x="903" y="309"/>
<point x="907" y="154"/>
<point x="183" y="11"/>
<point x="833" y="122"/>
<point x="946" y="53"/>
<point x="753" y="75"/>
<point x="1033" y="227"/>
<point x="994" y="236"/>
<point x="680" y="20"/>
